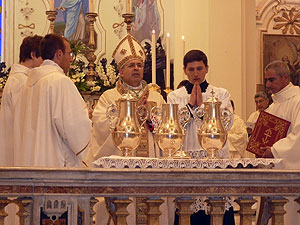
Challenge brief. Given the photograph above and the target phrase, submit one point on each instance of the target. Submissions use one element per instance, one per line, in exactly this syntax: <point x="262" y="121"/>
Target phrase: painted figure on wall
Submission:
<point x="285" y="48"/>
<point x="73" y="15"/>
<point x="146" y="19"/>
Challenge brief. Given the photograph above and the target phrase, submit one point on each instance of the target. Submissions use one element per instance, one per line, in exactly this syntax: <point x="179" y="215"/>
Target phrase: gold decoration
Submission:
<point x="288" y="21"/>
<point x="91" y="57"/>
<point x="51" y="16"/>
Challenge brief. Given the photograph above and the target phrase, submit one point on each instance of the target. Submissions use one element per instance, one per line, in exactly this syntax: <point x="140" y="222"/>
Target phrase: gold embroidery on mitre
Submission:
<point x="141" y="52"/>
<point x="133" y="53"/>
<point x="123" y="51"/>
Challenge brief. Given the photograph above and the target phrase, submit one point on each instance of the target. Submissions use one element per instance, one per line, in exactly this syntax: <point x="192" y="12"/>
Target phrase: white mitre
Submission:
<point x="127" y="49"/>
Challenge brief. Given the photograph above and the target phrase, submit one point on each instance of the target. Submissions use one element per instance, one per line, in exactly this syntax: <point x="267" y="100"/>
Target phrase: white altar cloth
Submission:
<point x="166" y="163"/>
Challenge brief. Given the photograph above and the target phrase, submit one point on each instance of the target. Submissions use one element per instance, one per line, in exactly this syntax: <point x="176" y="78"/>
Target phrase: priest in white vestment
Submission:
<point x="262" y="102"/>
<point x="51" y="125"/>
<point x="130" y="57"/>
<point x="29" y="58"/>
<point x="286" y="105"/>
<point x="193" y="95"/>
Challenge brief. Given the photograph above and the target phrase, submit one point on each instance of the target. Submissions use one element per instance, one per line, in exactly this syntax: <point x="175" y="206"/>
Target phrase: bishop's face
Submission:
<point x="132" y="72"/>
<point x="196" y="71"/>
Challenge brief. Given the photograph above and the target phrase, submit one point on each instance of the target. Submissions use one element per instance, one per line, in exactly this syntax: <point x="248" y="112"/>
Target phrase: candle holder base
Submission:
<point x="154" y="87"/>
<point x="168" y="90"/>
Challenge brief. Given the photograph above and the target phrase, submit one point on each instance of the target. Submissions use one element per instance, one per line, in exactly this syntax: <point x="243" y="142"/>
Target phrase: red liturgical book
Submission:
<point x="268" y="129"/>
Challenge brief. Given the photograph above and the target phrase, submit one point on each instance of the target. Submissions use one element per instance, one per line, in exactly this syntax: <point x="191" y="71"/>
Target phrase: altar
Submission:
<point x="55" y="191"/>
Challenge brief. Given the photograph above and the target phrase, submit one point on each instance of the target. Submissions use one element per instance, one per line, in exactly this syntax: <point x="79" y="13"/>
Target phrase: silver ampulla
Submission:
<point x="212" y="134"/>
<point x="124" y="124"/>
<point x="169" y="122"/>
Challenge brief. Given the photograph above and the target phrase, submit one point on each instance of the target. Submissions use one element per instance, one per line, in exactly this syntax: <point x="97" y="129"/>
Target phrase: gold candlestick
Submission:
<point x="51" y="16"/>
<point x="91" y="57"/>
<point x="154" y="87"/>
<point x="168" y="90"/>
<point x="128" y="19"/>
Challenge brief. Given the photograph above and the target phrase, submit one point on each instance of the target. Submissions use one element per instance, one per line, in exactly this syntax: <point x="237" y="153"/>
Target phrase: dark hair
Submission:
<point x="50" y="44"/>
<point x="194" y="55"/>
<point x="182" y="83"/>
<point x="30" y="44"/>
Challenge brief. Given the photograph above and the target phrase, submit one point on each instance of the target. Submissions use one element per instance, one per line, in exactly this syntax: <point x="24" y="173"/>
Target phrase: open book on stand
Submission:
<point x="268" y="130"/>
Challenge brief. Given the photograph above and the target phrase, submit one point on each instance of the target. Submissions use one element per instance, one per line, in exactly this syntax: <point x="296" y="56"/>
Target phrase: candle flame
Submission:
<point x="168" y="34"/>
<point x="182" y="37"/>
<point x="153" y="31"/>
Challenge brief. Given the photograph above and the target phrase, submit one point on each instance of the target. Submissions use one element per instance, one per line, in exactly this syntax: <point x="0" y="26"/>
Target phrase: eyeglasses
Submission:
<point x="70" y="53"/>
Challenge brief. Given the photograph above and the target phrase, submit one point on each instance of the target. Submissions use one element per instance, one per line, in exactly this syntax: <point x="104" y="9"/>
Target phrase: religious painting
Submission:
<point x="0" y="28"/>
<point x="147" y="18"/>
<point x="285" y="48"/>
<point x="71" y="20"/>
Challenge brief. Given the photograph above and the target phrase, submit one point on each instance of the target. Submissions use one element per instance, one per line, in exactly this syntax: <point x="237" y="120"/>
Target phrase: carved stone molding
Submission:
<point x="281" y="16"/>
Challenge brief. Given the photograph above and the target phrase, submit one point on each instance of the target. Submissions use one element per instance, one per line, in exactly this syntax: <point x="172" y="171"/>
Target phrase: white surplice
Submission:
<point x="15" y="82"/>
<point x="181" y="97"/>
<point x="51" y="125"/>
<point x="238" y="139"/>
<point x="286" y="105"/>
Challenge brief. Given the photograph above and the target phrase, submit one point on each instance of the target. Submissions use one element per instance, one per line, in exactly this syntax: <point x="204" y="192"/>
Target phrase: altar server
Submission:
<point x="51" y="123"/>
<point x="286" y="105"/>
<point x="192" y="95"/>
<point x="29" y="58"/>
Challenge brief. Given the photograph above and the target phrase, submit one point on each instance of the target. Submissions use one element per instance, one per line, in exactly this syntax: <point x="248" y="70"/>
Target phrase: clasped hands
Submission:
<point x="196" y="95"/>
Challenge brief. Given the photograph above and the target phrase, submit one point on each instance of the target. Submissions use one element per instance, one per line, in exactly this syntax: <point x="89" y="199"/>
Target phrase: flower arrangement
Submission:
<point x="107" y="74"/>
<point x="3" y="74"/>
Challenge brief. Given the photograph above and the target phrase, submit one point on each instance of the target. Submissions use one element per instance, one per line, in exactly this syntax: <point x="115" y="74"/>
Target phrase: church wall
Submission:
<point x="224" y="30"/>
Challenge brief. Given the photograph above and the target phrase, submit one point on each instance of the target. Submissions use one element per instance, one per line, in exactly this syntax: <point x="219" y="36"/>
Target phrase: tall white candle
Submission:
<point x="168" y="66"/>
<point x="153" y="50"/>
<point x="128" y="6"/>
<point x="51" y="5"/>
<point x="91" y="6"/>
<point x="183" y="45"/>
<point x="183" y="53"/>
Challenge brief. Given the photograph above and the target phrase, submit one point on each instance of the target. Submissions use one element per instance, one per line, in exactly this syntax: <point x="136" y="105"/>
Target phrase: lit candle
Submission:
<point x="183" y="45"/>
<point x="183" y="52"/>
<point x="153" y="50"/>
<point x="128" y="6"/>
<point x="51" y="5"/>
<point x="91" y="6"/>
<point x="168" y="67"/>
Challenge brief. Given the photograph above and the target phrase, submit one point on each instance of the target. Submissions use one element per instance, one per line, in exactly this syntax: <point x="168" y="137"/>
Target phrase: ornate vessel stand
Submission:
<point x="51" y="16"/>
<point x="91" y="57"/>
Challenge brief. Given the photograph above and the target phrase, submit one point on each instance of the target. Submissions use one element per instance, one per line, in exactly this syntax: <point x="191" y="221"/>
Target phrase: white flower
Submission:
<point x="97" y="88"/>
<point x="91" y="83"/>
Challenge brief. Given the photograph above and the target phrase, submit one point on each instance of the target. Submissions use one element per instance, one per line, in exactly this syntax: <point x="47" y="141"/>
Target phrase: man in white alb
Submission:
<point x="29" y="58"/>
<point x="262" y="102"/>
<point x="51" y="125"/>
<point x="286" y="105"/>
